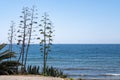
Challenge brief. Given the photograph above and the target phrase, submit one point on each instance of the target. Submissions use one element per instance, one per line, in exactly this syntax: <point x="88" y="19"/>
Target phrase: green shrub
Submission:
<point x="7" y="67"/>
<point x="51" y="71"/>
<point x="33" y="70"/>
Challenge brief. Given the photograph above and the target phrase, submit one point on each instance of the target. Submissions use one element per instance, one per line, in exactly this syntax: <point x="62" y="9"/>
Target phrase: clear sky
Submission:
<point x="75" y="21"/>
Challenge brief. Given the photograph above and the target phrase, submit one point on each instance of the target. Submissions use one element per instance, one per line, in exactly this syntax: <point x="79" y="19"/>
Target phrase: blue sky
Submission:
<point x="75" y="21"/>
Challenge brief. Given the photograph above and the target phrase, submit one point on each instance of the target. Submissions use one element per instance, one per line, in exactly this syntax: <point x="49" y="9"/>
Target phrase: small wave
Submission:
<point x="79" y="75"/>
<point x="76" y="69"/>
<point x="111" y="74"/>
<point x="108" y="74"/>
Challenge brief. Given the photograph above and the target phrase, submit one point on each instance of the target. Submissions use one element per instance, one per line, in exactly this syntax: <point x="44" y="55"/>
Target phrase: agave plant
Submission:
<point x="7" y="66"/>
<point x="33" y="70"/>
<point x="55" y="72"/>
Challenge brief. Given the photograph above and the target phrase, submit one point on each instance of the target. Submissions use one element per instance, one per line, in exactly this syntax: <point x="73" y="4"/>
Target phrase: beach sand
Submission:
<point x="27" y="77"/>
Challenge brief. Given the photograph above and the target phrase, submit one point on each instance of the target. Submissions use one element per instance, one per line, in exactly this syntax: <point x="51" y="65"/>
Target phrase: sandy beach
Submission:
<point x="28" y="77"/>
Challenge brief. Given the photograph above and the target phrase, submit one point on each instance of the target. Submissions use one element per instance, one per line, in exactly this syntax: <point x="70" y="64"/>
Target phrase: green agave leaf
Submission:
<point x="2" y="46"/>
<point x="6" y="55"/>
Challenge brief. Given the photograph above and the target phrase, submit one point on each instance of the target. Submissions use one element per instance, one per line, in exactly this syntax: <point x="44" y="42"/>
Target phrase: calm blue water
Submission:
<point x="82" y="60"/>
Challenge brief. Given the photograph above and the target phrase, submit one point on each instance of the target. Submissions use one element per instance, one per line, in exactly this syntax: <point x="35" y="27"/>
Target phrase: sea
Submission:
<point x="86" y="61"/>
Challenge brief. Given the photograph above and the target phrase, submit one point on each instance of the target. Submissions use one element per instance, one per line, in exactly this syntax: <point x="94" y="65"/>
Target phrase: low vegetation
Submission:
<point x="51" y="71"/>
<point x="33" y="70"/>
<point x="7" y="66"/>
